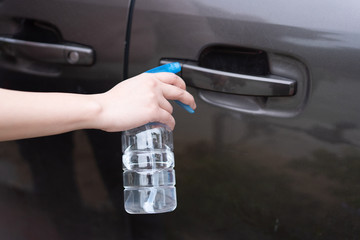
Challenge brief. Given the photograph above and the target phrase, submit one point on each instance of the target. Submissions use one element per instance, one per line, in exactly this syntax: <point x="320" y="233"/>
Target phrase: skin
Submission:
<point x="131" y="103"/>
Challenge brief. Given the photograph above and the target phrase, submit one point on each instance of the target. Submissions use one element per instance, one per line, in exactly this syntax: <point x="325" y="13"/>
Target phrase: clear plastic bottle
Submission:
<point x="148" y="162"/>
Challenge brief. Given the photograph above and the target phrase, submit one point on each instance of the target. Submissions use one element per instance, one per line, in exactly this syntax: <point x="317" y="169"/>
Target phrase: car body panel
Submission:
<point x="259" y="175"/>
<point x="88" y="23"/>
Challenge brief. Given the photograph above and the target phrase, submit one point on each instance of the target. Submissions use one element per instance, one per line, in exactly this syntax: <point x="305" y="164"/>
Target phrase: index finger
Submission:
<point x="171" y="78"/>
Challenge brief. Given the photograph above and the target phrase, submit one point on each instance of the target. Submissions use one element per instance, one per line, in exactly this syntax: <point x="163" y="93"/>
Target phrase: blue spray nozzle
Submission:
<point x="174" y="67"/>
<point x="170" y="67"/>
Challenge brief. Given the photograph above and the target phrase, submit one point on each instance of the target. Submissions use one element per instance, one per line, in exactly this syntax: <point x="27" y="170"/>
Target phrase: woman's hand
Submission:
<point x="140" y="100"/>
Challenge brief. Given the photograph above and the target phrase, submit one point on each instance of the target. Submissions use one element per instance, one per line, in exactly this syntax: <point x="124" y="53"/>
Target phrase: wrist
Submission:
<point x="92" y="113"/>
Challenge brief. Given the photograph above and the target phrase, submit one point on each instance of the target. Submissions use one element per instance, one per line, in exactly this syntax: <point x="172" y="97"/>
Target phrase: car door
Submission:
<point x="272" y="151"/>
<point x="67" y="186"/>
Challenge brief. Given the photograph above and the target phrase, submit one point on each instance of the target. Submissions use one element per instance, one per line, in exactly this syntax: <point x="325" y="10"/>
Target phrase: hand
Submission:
<point x="140" y="100"/>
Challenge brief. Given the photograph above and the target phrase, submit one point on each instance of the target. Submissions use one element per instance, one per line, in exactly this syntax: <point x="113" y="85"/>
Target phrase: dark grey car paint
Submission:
<point x="248" y="167"/>
<point x="89" y="23"/>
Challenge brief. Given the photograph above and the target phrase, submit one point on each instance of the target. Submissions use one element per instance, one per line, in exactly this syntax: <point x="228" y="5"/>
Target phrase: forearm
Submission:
<point x="26" y="114"/>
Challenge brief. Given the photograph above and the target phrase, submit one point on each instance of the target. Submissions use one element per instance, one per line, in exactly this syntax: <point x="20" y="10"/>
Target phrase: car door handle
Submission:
<point x="46" y="52"/>
<point x="234" y="83"/>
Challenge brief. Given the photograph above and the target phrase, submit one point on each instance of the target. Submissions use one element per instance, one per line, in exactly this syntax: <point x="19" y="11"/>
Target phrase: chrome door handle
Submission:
<point x="47" y="52"/>
<point x="234" y="83"/>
